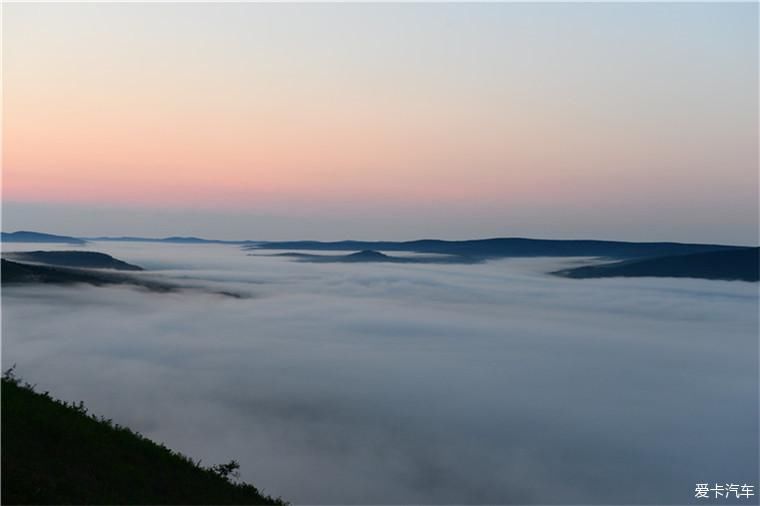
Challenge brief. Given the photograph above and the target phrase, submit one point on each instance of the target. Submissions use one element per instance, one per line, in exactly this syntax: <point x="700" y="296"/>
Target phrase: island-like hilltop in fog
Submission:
<point x="88" y="259"/>
<point x="372" y="256"/>
<point x="82" y="268"/>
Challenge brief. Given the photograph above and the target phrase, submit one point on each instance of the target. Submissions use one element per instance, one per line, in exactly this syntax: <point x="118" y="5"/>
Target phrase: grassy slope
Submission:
<point x="55" y="453"/>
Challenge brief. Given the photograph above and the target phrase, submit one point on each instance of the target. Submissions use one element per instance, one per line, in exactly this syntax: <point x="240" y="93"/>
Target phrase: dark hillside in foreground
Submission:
<point x="509" y="247"/>
<point x="54" y="453"/>
<point x="87" y="259"/>
<point x="739" y="265"/>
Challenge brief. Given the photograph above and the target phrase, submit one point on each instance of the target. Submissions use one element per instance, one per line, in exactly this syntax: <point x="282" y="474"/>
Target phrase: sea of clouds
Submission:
<point x="410" y="383"/>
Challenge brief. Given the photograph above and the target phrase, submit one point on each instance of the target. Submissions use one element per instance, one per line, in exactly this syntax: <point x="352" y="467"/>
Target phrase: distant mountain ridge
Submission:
<point x="508" y="247"/>
<point x="28" y="236"/>
<point x="172" y="239"/>
<point x="474" y="248"/>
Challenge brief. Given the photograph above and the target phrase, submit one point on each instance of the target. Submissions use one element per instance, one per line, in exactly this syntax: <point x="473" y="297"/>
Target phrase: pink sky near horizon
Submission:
<point x="256" y="106"/>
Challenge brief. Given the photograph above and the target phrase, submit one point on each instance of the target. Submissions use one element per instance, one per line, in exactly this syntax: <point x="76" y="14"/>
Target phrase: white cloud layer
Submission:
<point x="362" y="383"/>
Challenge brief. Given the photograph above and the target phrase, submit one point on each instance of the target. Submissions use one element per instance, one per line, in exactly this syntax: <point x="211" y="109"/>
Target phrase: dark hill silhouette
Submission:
<point x="508" y="247"/>
<point x="741" y="264"/>
<point x="56" y="453"/>
<point x="27" y="236"/>
<point x="87" y="259"/>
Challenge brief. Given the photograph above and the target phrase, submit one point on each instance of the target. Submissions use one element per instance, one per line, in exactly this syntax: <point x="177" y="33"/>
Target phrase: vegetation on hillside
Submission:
<point x="55" y="452"/>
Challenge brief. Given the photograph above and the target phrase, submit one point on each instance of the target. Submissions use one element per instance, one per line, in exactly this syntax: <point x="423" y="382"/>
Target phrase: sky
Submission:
<point x="382" y="121"/>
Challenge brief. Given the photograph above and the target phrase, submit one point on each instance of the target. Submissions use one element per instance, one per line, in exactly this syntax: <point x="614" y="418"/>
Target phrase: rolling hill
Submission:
<point x="86" y="259"/>
<point x="27" y="236"/>
<point x="741" y="264"/>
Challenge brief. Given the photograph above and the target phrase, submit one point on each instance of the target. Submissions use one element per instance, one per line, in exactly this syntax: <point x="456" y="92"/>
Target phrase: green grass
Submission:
<point x="54" y="452"/>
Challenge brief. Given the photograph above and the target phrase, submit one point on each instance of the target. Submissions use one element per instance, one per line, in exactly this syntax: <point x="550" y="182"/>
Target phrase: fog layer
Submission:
<point x="408" y="383"/>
